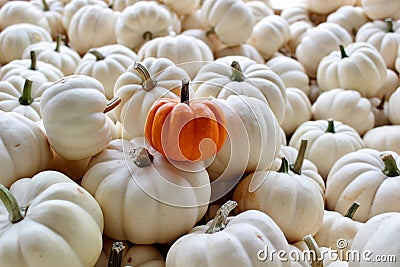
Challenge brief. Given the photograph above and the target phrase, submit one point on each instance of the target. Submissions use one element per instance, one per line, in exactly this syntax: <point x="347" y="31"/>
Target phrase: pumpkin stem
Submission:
<point x="58" y="42"/>
<point x="141" y="157"/>
<point x="97" y="54"/>
<point x="382" y="103"/>
<point x="26" y="97"/>
<point x="391" y="169"/>
<point x="298" y="164"/>
<point x="147" y="36"/>
<point x="11" y="204"/>
<point x="284" y="166"/>
<point x="352" y="210"/>
<point x="331" y="126"/>
<point x="117" y="251"/>
<point x="314" y="248"/>
<point x="148" y="83"/>
<point x="45" y="6"/>
<point x="389" y="24"/>
<point x="219" y="221"/>
<point x="112" y="104"/>
<point x="342" y="51"/>
<point x="33" y="60"/>
<point x="210" y="31"/>
<point x="185" y="92"/>
<point x="65" y="40"/>
<point x="237" y="74"/>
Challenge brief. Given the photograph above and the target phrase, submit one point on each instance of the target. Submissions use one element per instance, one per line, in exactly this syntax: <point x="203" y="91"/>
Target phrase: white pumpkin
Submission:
<point x="185" y="51"/>
<point x="328" y="140"/>
<point x="391" y="84"/>
<point x="379" y="108"/>
<point x="291" y="71"/>
<point x="210" y="39"/>
<point x="397" y="62"/>
<point x="346" y="106"/>
<point x="382" y="138"/>
<point x="61" y="56"/>
<point x="381" y="9"/>
<point x="373" y="238"/>
<point x="141" y="22"/>
<point x="26" y="150"/>
<point x="22" y="96"/>
<point x="298" y="110"/>
<point x="240" y="240"/>
<point x="317" y="42"/>
<point x="367" y="176"/>
<point x="92" y="26"/>
<point x="73" y="109"/>
<point x="168" y="197"/>
<point x="225" y="17"/>
<point x="183" y="7"/>
<point x="238" y="75"/>
<point x="72" y="6"/>
<point x="393" y="107"/>
<point x="292" y="196"/>
<point x="297" y="30"/>
<point x="259" y="9"/>
<point x="273" y="30"/>
<point x="358" y="66"/>
<point x="140" y="86"/>
<point x="327" y="7"/>
<point x="349" y="17"/>
<point x="16" y="38"/>
<point x="106" y="63"/>
<point x="384" y="36"/>
<point x="53" y="11"/>
<point x="46" y="218"/>
<point x="296" y="13"/>
<point x="193" y="21"/>
<point x="245" y="50"/>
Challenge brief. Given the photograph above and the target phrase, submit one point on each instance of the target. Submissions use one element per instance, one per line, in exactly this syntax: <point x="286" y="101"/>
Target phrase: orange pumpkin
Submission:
<point x="186" y="130"/>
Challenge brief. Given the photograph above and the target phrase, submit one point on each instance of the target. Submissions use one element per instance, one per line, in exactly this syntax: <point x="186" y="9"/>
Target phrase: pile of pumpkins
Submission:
<point x="189" y="133"/>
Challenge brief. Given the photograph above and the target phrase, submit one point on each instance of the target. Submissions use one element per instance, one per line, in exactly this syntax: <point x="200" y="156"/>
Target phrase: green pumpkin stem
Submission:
<point x="389" y="25"/>
<point x="45" y="6"/>
<point x="59" y="38"/>
<point x="219" y="221"/>
<point x="113" y="103"/>
<point x="391" y="169"/>
<point x="331" y="127"/>
<point x="148" y="82"/>
<point x="147" y="36"/>
<point x="26" y="97"/>
<point x="237" y="74"/>
<point x="352" y="210"/>
<point x="298" y="163"/>
<point x="33" y="65"/>
<point x="11" y="204"/>
<point x="284" y="166"/>
<point x="185" y="92"/>
<point x="141" y="157"/>
<point x="342" y="51"/>
<point x="117" y="251"/>
<point x="99" y="56"/>
<point x="316" y="259"/>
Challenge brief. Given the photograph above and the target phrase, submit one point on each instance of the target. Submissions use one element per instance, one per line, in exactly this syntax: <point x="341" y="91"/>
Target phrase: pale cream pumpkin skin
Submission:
<point x="225" y="17"/>
<point x="296" y="13"/>
<point x="381" y="9"/>
<point x="370" y="238"/>
<point x="245" y="50"/>
<point x="298" y="110"/>
<point x="359" y="66"/>
<point x="393" y="107"/>
<point x="58" y="213"/>
<point x="72" y="111"/>
<point x="183" y="7"/>
<point x="273" y="191"/>
<point x="359" y="176"/>
<point x="326" y="7"/>
<point x="138" y="92"/>
<point x="391" y="84"/>
<point x="326" y="147"/>
<point x="53" y="11"/>
<point x="220" y="80"/>
<point x="384" y="36"/>
<point x="259" y="9"/>
<point x="25" y="146"/>
<point x="273" y="30"/>
<point x="244" y="236"/>
<point x="141" y="22"/>
<point x="106" y="63"/>
<point x="317" y="42"/>
<point x="346" y="106"/>
<point x="298" y="30"/>
<point x="73" y="6"/>
<point x="211" y="40"/>
<point x="16" y="38"/>
<point x="349" y="17"/>
<point x="59" y="55"/>
<point x="379" y="108"/>
<point x="92" y="26"/>
<point x="382" y="138"/>
<point x="253" y="140"/>
<point x="185" y="51"/>
<point x="168" y="197"/>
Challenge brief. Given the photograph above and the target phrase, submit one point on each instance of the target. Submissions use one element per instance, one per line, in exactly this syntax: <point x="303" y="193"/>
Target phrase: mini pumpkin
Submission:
<point x="393" y="107"/>
<point x="383" y="138"/>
